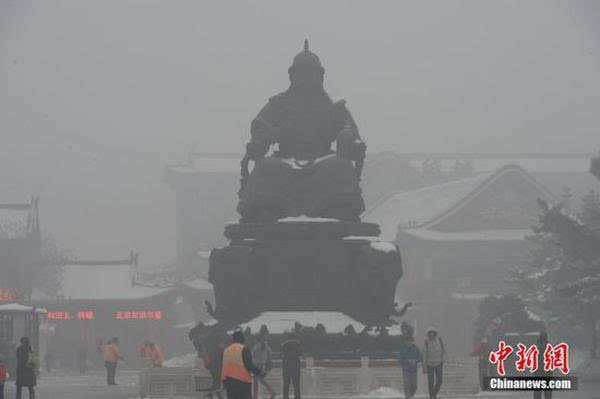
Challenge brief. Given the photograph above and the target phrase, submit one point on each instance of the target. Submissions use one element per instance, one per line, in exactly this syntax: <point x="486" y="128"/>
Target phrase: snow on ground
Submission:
<point x="127" y="378"/>
<point x="187" y="360"/>
<point x="383" y="392"/>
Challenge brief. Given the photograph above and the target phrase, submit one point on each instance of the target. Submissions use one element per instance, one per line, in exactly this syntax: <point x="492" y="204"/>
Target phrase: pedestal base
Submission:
<point x="356" y="276"/>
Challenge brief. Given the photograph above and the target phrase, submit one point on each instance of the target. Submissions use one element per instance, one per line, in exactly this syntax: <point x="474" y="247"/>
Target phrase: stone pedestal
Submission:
<point x="315" y="265"/>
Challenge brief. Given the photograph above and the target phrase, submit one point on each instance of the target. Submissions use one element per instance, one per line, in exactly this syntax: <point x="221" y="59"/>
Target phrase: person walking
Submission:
<point x="291" y="365"/>
<point x="213" y="362"/>
<point x="3" y="376"/>
<point x="433" y="361"/>
<point x="145" y="354"/>
<point x="237" y="369"/>
<point x="82" y="358"/>
<point x="26" y="369"/>
<point x="157" y="357"/>
<point x="482" y="351"/>
<point x="112" y="355"/>
<point x="409" y="358"/>
<point x="261" y="353"/>
<point x="197" y="336"/>
<point x="541" y="344"/>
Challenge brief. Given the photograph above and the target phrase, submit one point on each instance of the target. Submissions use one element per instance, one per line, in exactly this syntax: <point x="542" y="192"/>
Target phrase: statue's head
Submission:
<point x="306" y="72"/>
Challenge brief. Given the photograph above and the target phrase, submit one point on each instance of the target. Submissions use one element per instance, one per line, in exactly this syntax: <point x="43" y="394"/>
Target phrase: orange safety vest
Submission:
<point x="233" y="364"/>
<point x="157" y="356"/>
<point x="111" y="353"/>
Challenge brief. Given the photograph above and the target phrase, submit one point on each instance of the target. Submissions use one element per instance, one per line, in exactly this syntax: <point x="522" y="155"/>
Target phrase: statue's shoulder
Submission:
<point x="278" y="98"/>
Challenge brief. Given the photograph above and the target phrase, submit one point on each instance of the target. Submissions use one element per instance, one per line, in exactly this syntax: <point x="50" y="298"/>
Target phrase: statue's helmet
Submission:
<point x="306" y="70"/>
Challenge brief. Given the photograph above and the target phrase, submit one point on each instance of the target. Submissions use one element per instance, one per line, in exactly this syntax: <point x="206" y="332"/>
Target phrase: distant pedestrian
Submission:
<point x="99" y="351"/>
<point x="482" y="351"/>
<point x="48" y="361"/>
<point x="157" y="356"/>
<point x="261" y="353"/>
<point x="112" y="355"/>
<point x="82" y="358"/>
<point x="433" y="361"/>
<point x="541" y="344"/>
<point x="145" y="354"/>
<point x="26" y="369"/>
<point x="238" y="368"/>
<point x="213" y="362"/>
<point x="3" y="376"/>
<point x="409" y="358"/>
<point x="291" y="365"/>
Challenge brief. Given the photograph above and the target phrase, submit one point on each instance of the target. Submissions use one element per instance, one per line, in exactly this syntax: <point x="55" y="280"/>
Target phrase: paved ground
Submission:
<point x="59" y="385"/>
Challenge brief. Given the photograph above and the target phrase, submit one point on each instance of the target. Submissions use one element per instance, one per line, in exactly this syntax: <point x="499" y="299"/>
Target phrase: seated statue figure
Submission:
<point x="303" y="175"/>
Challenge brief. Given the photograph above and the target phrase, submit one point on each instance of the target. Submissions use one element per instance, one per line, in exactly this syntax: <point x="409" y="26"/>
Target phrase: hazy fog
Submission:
<point x="96" y="96"/>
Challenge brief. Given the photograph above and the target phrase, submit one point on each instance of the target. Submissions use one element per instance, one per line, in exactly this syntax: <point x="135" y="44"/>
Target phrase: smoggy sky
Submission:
<point x="96" y="96"/>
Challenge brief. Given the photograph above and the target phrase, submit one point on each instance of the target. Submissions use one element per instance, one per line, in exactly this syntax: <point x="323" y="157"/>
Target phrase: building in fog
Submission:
<point x="20" y="249"/>
<point x="458" y="241"/>
<point x="101" y="299"/>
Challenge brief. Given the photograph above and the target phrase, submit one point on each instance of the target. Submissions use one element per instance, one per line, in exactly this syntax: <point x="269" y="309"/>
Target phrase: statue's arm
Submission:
<point x="263" y="132"/>
<point x="348" y="142"/>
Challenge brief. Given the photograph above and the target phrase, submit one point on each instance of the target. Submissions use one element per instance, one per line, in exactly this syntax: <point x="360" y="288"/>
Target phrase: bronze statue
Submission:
<point x="297" y="265"/>
<point x="303" y="176"/>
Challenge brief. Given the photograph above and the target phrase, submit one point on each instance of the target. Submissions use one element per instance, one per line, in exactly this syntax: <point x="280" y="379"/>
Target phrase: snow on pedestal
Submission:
<point x="304" y="219"/>
<point x="383" y="246"/>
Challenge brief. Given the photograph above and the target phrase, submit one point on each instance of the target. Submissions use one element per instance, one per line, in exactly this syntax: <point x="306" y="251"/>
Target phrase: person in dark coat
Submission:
<point x="25" y="369"/>
<point x="197" y="336"/>
<point x="213" y="361"/>
<point x="409" y="357"/>
<point x="292" y="354"/>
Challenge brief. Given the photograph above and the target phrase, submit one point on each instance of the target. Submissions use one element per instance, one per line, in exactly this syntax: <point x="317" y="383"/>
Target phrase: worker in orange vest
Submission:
<point x="237" y="369"/>
<point x="111" y="356"/>
<point x="156" y="354"/>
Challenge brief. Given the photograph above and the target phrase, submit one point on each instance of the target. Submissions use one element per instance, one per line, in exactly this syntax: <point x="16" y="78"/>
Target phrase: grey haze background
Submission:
<point x="97" y="96"/>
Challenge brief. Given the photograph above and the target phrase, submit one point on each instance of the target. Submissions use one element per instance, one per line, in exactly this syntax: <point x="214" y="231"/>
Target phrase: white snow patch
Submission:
<point x="187" y="325"/>
<point x="187" y="360"/>
<point x="415" y="207"/>
<point x="304" y="218"/>
<point x="199" y="284"/>
<point x="15" y="307"/>
<point x="103" y="282"/>
<point x="383" y="246"/>
<point x="533" y="316"/>
<point x="281" y="322"/>
<point x="366" y="238"/>
<point x="383" y="392"/>
<point x="476" y="235"/>
<point x="302" y="163"/>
